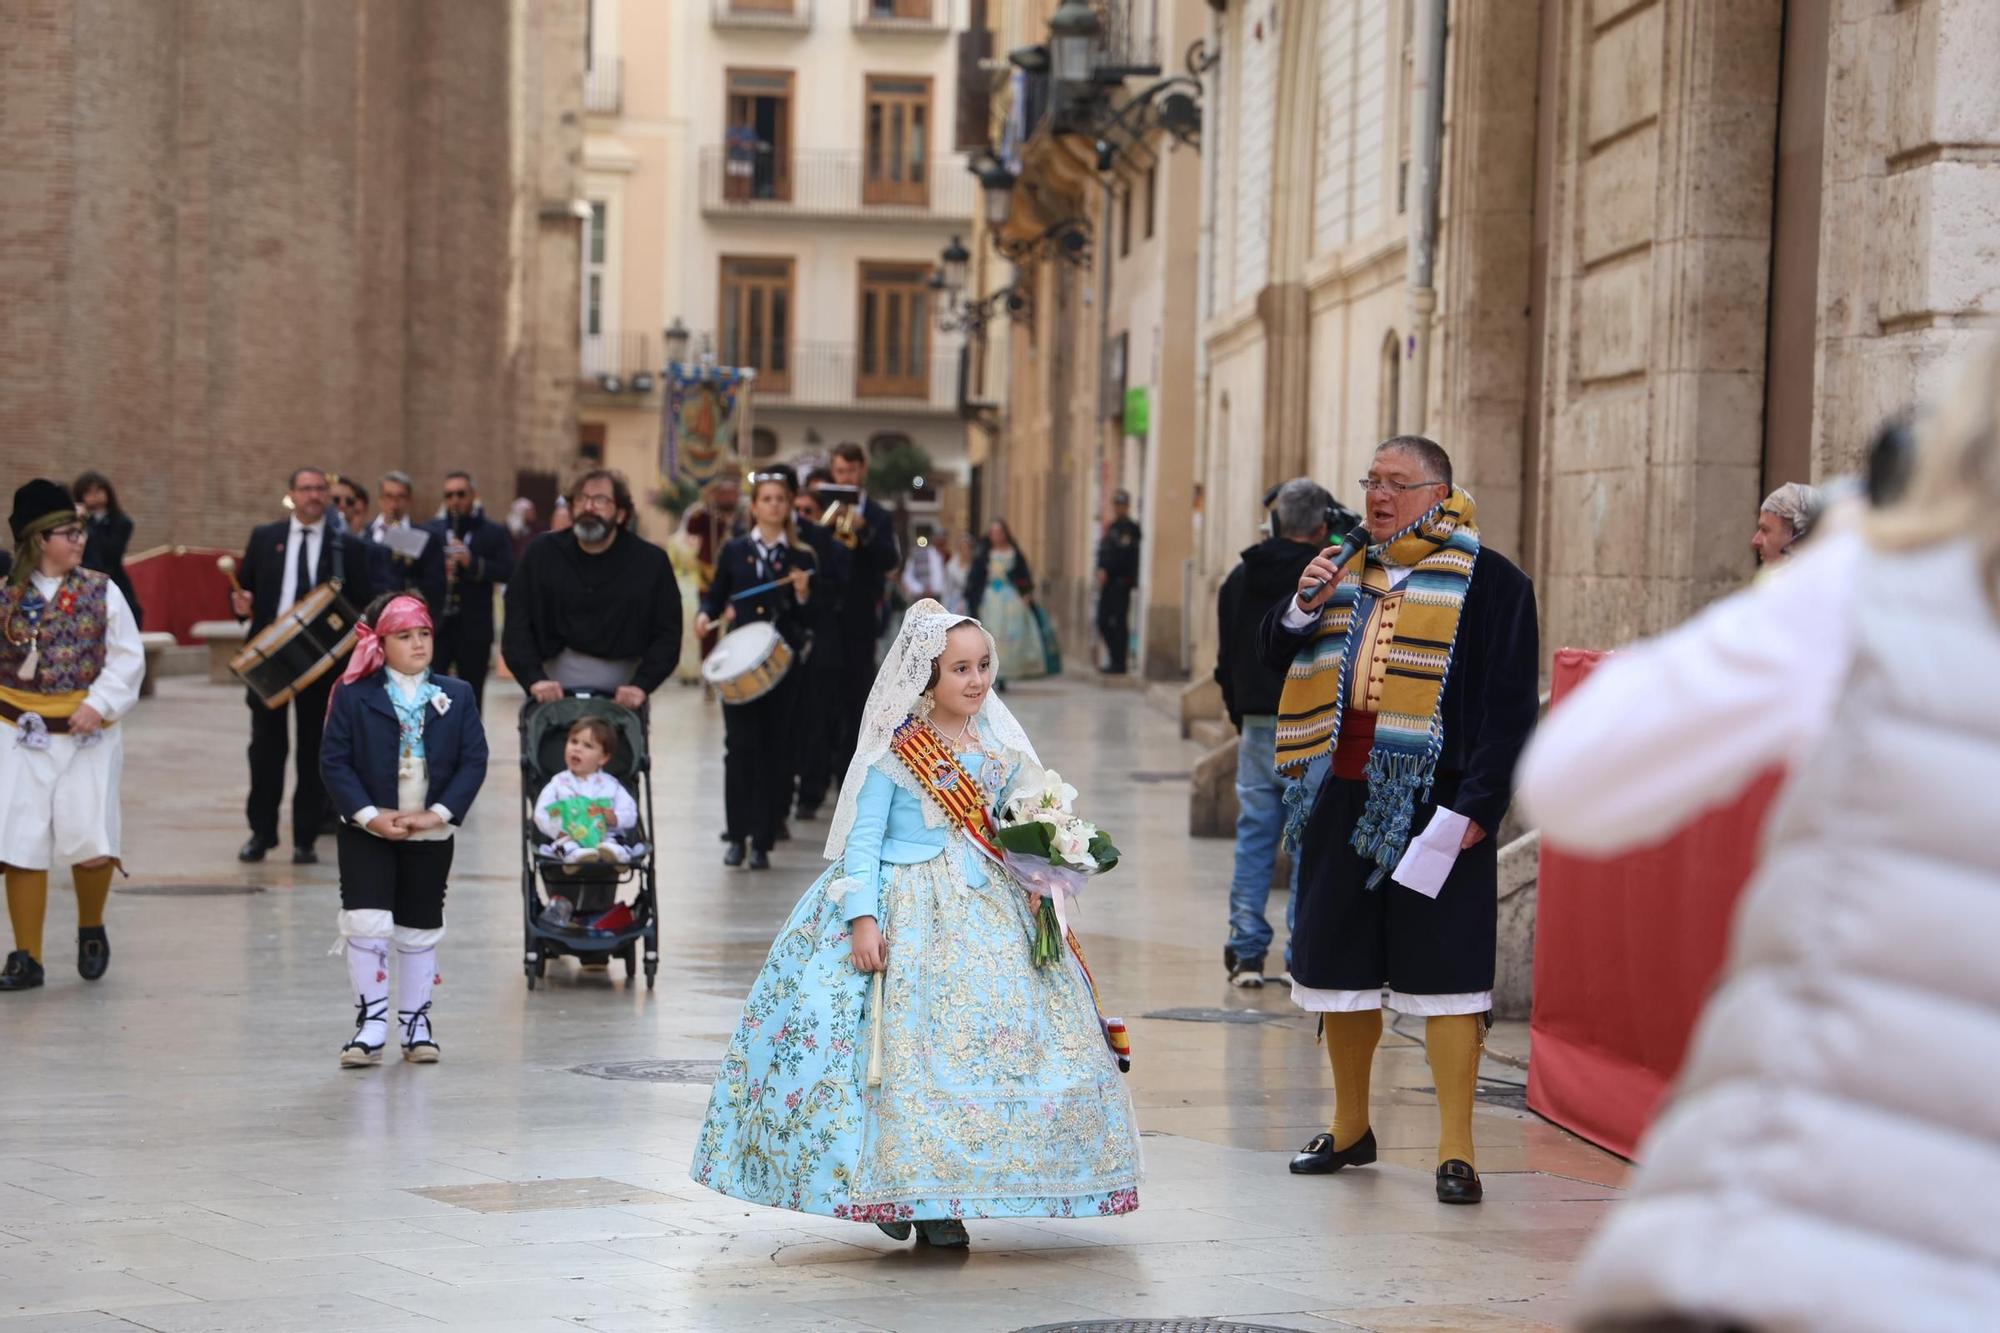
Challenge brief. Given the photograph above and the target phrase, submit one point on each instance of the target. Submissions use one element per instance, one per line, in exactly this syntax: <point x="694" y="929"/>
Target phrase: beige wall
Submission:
<point x="646" y="161"/>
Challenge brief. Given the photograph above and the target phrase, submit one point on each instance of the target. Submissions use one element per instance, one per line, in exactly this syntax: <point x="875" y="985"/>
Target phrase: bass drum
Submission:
<point x="299" y="647"/>
<point x="748" y="663"/>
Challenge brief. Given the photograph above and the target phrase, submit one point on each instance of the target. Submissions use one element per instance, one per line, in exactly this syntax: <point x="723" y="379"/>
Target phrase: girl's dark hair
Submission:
<point x="600" y="731"/>
<point x="95" y="480"/>
<point x="373" y="610"/>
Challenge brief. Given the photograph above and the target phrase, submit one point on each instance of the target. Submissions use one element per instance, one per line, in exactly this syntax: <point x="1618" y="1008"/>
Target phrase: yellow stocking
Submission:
<point x="1351" y="1039"/>
<point x="93" y="890"/>
<point x="1452" y="1041"/>
<point x="27" y="906"/>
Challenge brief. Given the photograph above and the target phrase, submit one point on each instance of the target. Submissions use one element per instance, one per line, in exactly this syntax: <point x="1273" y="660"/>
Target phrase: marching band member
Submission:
<point x="404" y="756"/>
<point x="822" y="720"/>
<point x="867" y="530"/>
<point x="282" y="563"/>
<point x="70" y="667"/>
<point x="477" y="558"/>
<point x="765" y="576"/>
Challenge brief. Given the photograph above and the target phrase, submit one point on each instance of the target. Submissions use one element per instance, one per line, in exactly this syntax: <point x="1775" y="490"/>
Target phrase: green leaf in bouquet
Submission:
<point x="1104" y="852"/>
<point x="1034" y="839"/>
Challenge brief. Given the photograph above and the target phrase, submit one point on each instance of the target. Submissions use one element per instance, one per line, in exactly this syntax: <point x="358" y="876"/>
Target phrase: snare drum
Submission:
<point x="297" y="648"/>
<point x="748" y="663"/>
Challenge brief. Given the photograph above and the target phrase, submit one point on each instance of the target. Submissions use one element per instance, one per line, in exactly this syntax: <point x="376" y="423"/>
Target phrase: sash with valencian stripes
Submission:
<point x="1439" y="550"/>
<point x="959" y="794"/>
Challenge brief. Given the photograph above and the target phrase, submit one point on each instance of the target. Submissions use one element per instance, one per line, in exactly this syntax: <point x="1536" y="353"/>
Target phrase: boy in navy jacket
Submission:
<point x="403" y="756"/>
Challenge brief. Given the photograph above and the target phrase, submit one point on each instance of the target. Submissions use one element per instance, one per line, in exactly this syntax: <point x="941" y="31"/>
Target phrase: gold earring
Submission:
<point x="924" y="705"/>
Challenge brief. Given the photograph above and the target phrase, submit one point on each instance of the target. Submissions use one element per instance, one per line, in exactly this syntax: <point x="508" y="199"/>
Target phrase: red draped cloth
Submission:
<point x="180" y="585"/>
<point x="1626" y="953"/>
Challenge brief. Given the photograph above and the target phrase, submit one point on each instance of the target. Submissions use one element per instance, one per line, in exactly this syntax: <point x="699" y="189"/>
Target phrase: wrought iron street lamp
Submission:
<point x="676" y="340"/>
<point x="1073" y="30"/>
<point x="956" y="258"/>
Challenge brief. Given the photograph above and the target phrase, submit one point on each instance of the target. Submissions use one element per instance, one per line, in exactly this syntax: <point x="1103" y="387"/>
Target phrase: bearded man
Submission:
<point x="595" y="606"/>
<point x="1413" y="661"/>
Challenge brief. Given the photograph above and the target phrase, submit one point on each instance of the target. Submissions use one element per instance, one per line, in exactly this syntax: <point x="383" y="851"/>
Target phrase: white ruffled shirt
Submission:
<point x="413" y="777"/>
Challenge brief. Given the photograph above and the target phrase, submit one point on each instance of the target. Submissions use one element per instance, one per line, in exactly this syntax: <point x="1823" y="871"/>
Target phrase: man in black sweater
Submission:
<point x="1117" y="577"/>
<point x="593" y="607"/>
<point x="1302" y="517"/>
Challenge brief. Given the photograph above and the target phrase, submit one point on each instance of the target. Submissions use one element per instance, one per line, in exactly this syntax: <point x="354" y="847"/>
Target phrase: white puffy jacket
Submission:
<point x="1830" y="1160"/>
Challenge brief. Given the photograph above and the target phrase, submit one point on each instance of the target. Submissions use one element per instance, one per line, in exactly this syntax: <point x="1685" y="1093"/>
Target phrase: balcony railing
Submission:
<point x="834" y="183"/>
<point x="793" y="14"/>
<point x="604" y="88"/>
<point x="622" y="355"/>
<point x="919" y="16"/>
<point x="834" y="376"/>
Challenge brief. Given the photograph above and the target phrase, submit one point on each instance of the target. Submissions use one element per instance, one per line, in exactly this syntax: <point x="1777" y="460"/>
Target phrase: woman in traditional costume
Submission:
<point x="70" y="667"/>
<point x="901" y="1060"/>
<point x="1000" y="591"/>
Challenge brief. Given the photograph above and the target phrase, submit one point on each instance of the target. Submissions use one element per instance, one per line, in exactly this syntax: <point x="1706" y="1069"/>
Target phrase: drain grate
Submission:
<point x="1157" y="1326"/>
<point x="190" y="890"/>
<point x="652" y="1071"/>
<point x="1216" y="1016"/>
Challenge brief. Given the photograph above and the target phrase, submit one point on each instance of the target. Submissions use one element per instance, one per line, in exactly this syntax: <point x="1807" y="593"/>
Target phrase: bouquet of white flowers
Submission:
<point x="1049" y="849"/>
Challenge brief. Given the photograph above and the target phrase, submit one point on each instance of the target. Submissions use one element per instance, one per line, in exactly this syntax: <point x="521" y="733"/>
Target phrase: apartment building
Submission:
<point x="771" y="177"/>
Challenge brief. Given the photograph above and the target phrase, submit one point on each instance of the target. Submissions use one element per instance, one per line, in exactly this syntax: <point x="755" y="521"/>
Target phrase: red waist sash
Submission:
<point x="1357" y="739"/>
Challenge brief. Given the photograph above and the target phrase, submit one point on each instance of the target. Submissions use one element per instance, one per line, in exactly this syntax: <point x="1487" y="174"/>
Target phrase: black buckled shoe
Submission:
<point x="734" y="856"/>
<point x="93" y="952"/>
<point x="1457" y="1182"/>
<point x="1321" y="1158"/>
<point x="21" y="973"/>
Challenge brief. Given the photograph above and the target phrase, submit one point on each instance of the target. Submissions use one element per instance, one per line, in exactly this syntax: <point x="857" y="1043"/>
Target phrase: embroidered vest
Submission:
<point x="70" y="634"/>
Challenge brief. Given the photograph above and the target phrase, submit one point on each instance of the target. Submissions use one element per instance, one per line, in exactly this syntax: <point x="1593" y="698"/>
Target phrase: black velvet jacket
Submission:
<point x="1491" y="696"/>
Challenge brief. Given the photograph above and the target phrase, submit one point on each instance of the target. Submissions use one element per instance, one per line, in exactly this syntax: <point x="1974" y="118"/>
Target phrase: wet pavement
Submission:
<point x="179" y="1150"/>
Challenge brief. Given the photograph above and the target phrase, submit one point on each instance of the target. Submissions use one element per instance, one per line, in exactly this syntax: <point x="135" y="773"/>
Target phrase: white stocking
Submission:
<point x="368" y="978"/>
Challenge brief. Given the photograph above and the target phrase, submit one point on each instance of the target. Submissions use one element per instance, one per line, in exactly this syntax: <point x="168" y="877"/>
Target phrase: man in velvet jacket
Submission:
<point x="1398" y="879"/>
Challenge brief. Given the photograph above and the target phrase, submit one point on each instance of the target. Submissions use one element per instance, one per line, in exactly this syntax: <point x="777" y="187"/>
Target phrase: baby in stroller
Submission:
<point x="584" y="812"/>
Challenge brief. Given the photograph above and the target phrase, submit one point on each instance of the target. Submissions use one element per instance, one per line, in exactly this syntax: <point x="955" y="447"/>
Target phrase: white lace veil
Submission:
<point x="905" y="672"/>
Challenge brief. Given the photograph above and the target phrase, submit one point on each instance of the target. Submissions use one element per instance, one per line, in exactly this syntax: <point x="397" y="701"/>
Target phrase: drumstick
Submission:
<point x="227" y="564"/>
<point x="764" y="587"/>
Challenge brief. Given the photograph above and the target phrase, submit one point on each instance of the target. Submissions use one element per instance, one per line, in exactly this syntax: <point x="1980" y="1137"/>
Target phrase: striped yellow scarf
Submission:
<point x="1439" y="550"/>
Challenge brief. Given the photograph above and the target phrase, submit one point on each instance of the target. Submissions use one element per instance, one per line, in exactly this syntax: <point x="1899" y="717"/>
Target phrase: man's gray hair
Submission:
<point x="401" y="479"/>
<point x="1430" y="455"/>
<point x="1301" y="507"/>
<point x="1795" y="502"/>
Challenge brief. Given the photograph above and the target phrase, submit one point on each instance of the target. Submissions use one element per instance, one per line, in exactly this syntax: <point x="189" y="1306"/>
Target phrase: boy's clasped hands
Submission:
<point x="396" y="825"/>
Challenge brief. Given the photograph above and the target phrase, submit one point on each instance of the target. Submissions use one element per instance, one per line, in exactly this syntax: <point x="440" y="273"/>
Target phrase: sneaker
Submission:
<point x="1247" y="973"/>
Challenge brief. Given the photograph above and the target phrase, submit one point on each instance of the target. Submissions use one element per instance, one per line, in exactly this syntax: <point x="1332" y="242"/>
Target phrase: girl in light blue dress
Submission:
<point x="1000" y="591"/>
<point x="900" y="1059"/>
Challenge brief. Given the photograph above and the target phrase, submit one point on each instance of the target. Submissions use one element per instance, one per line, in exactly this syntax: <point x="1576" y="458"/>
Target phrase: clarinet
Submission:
<point x="450" y="572"/>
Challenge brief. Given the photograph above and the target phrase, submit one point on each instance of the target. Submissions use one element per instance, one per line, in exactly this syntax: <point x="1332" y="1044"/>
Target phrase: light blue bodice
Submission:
<point x="889" y="829"/>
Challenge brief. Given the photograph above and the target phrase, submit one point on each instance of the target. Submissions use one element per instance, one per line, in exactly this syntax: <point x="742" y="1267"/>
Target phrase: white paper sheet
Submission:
<point x="1432" y="853"/>
<point x="406" y="542"/>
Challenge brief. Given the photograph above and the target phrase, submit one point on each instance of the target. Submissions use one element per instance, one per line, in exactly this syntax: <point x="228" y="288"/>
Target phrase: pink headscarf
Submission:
<point x="400" y="614"/>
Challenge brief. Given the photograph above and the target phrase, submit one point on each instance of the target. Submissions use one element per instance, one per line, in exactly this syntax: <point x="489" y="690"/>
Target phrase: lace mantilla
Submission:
<point x="898" y="685"/>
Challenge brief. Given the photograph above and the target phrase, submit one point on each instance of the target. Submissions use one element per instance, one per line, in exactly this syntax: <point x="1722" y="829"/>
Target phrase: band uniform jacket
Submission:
<point x="262" y="570"/>
<point x="738" y="569"/>
<point x="492" y="565"/>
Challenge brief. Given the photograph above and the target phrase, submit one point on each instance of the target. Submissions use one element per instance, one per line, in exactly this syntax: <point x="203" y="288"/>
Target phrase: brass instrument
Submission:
<point x="845" y="515"/>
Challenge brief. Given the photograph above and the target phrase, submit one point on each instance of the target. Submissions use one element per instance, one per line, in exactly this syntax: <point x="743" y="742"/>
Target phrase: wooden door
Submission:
<point x="895" y="138"/>
<point x="754" y="323"/>
<point x="757" y="136"/>
<point x="893" y="345"/>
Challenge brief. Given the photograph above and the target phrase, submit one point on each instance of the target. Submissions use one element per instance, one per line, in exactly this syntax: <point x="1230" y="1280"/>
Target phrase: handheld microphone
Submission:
<point x="1355" y="540"/>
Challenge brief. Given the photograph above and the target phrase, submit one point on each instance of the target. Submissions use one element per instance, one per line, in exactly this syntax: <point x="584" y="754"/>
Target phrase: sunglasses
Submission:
<point x="458" y="495"/>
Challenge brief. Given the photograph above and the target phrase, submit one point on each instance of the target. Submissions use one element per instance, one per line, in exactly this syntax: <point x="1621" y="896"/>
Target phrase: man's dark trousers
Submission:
<point x="270" y="742"/>
<point x="465" y="652"/>
<point x="1114" y="622"/>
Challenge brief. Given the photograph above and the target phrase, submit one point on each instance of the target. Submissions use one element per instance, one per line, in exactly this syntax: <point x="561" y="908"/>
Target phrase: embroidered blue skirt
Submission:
<point x="997" y="1098"/>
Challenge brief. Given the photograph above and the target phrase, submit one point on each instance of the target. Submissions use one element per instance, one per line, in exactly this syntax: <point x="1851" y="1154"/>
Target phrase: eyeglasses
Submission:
<point x="458" y="495"/>
<point x="1372" y="484"/>
<point x="70" y="533"/>
<point x="606" y="502"/>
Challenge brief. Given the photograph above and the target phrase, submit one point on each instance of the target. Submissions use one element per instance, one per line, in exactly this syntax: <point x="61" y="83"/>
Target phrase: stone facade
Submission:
<point x="236" y="238"/>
